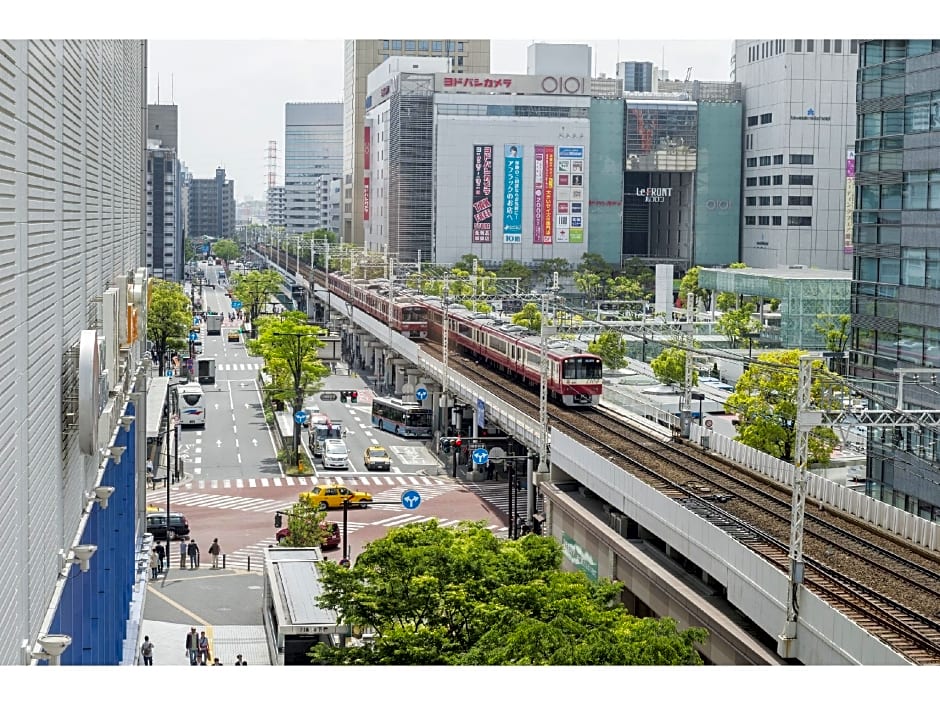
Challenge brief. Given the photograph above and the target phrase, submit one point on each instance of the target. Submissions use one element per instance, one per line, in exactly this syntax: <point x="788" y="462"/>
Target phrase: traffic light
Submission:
<point x="354" y="395"/>
<point x="458" y="441"/>
<point x="278" y="520"/>
<point x="445" y="445"/>
<point x="342" y="396"/>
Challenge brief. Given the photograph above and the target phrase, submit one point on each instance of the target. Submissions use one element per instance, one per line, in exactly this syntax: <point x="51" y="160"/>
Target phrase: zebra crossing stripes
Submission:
<point x="420" y="481"/>
<point x="233" y="367"/>
<point x="496" y="494"/>
<point x="215" y="501"/>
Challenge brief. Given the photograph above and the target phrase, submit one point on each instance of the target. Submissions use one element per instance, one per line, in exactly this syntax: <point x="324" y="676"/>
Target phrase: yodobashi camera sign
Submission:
<point x="654" y="194"/>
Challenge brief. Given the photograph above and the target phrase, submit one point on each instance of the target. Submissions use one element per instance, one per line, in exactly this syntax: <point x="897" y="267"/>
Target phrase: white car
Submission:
<point x="335" y="454"/>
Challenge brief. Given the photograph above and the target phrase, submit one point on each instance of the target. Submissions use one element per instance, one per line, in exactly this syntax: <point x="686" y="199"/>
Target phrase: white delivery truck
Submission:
<point x="214" y="324"/>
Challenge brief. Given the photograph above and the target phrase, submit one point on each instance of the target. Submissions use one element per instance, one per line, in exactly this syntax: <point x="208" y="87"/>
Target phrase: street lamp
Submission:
<point x="296" y="370"/>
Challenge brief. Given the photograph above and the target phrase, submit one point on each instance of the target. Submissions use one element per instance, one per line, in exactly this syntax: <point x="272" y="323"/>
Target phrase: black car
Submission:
<point x="156" y="525"/>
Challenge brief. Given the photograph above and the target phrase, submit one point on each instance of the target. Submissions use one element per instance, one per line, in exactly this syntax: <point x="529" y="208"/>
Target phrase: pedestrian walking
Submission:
<point x="203" y="649"/>
<point x="193" y="551"/>
<point x="182" y="553"/>
<point x="154" y="564"/>
<point x="214" y="551"/>
<point x="150" y="478"/>
<point x="238" y="660"/>
<point x="192" y="646"/>
<point x="146" y="651"/>
<point x="161" y="556"/>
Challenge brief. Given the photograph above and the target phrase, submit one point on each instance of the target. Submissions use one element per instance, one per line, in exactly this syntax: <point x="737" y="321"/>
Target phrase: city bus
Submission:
<point x="403" y="418"/>
<point x="192" y="404"/>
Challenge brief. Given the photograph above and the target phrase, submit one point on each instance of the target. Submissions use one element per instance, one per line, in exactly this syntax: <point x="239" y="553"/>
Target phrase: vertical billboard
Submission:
<point x="538" y="196"/>
<point x="512" y="201"/>
<point x="547" y="236"/>
<point x="569" y="195"/>
<point x="482" y="193"/>
<point x="366" y="166"/>
<point x="365" y="198"/>
<point x="847" y="247"/>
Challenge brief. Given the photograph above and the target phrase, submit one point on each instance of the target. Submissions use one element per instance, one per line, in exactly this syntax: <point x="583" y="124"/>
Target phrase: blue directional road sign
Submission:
<point x="480" y="456"/>
<point x="205" y="249"/>
<point x="300" y="416"/>
<point x="195" y="320"/>
<point x="193" y="337"/>
<point x="236" y="305"/>
<point x="169" y="373"/>
<point x="421" y="393"/>
<point x="410" y="499"/>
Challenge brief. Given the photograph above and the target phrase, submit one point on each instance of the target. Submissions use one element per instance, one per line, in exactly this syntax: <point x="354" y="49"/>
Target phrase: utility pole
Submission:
<point x="546" y="331"/>
<point x="445" y="344"/>
<point x="685" y="412"/>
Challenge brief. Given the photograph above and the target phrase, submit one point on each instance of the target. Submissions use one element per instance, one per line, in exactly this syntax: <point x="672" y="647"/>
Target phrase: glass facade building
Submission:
<point x="896" y="280"/>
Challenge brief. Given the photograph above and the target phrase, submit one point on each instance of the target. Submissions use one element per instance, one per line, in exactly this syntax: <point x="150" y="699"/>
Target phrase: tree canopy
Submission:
<point x="834" y="327"/>
<point x="669" y="367"/>
<point x="227" y="250"/>
<point x="611" y="347"/>
<point x="530" y="316"/>
<point x="461" y="596"/>
<point x="738" y="323"/>
<point x="255" y="290"/>
<point x="765" y="400"/>
<point x="168" y="316"/>
<point x="304" y="522"/>
<point x="289" y="348"/>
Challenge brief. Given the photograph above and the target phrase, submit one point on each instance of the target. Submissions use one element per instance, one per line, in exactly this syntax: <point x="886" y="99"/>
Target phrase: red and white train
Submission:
<point x="575" y="377"/>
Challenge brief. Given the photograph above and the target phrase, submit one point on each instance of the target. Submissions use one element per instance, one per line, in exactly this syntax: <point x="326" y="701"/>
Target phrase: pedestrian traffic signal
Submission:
<point x="445" y="445"/>
<point x="458" y="441"/>
<point x="342" y="396"/>
<point x="278" y="520"/>
<point x="355" y="396"/>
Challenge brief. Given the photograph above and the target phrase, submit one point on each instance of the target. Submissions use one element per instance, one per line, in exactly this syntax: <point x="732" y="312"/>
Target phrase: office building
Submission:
<point x="361" y="57"/>
<point x="637" y="76"/>
<point x="313" y="148"/>
<point x="212" y="207"/>
<point x="559" y="60"/>
<point x="799" y="102"/>
<point x="274" y="211"/>
<point x="72" y="299"/>
<point x="896" y="281"/>
<point x="165" y="231"/>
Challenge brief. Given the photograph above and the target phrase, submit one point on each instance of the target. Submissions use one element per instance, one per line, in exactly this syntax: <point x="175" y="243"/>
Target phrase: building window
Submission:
<point x="799" y="221"/>
<point x="385" y="44"/>
<point x="826" y="46"/>
<point x="450" y="47"/>
<point x="751" y="161"/>
<point x="750" y="201"/>
<point x="778" y="159"/>
<point x="801" y="179"/>
<point x="460" y="61"/>
<point x="437" y="46"/>
<point x="778" y="180"/>
<point x="766" y="118"/>
<point x="763" y="220"/>
<point x="810" y="45"/>
<point x="797" y="45"/>
<point x="853" y="46"/>
<point x="801" y="158"/>
<point x="776" y="220"/>
<point x="410" y="45"/>
<point x="837" y="46"/>
<point x="778" y="200"/>
<point x="459" y="46"/>
<point x="799" y="200"/>
<point x="750" y="220"/>
<point x="423" y="45"/>
<point x="764" y="200"/>
<point x="752" y="121"/>
<point x="750" y="181"/>
<point x="765" y="161"/>
<point x="764" y="181"/>
<point x="396" y="44"/>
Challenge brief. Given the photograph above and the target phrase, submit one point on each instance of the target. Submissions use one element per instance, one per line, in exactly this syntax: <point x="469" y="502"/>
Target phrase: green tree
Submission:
<point x="624" y="288"/>
<point x="460" y="596"/>
<point x="511" y="269"/>
<point x="737" y="324"/>
<point x="304" y="522"/>
<point x="189" y="249"/>
<point x="530" y="316"/>
<point x="689" y="285"/>
<point x="611" y="347"/>
<point x="590" y="284"/>
<point x="726" y="301"/>
<point x="634" y="268"/>
<point x="168" y="316"/>
<point x="227" y="250"/>
<point x="255" y="290"/>
<point x="289" y="348"/>
<point x="764" y="399"/>
<point x="547" y="268"/>
<point x="593" y="262"/>
<point x="669" y="367"/>
<point x="834" y="327"/>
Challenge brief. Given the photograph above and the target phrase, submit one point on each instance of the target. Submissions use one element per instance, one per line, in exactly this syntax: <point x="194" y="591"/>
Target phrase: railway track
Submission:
<point x="889" y="588"/>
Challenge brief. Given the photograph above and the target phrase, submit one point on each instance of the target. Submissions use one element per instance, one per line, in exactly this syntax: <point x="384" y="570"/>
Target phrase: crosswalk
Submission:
<point x="238" y="366"/>
<point x="371" y="483"/>
<point x="496" y="494"/>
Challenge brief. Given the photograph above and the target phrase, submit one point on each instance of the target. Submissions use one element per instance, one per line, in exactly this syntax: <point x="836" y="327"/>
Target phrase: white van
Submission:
<point x="335" y="454"/>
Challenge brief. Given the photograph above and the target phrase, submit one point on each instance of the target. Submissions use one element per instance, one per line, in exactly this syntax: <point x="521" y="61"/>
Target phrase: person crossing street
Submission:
<point x="215" y="550"/>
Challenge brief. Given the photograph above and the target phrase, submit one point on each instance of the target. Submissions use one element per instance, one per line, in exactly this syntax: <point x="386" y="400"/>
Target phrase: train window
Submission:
<point x="582" y="368"/>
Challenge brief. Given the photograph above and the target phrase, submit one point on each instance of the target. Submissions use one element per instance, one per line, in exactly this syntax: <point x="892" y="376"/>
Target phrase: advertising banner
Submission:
<point x="512" y="202"/>
<point x="367" y="148"/>
<point x="538" y="200"/>
<point x="569" y="192"/>
<point x="482" y="193"/>
<point x="365" y="198"/>
<point x="549" y="196"/>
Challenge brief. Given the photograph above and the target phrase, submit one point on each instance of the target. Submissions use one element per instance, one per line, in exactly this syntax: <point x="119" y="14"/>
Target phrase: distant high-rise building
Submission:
<point x="313" y="148"/>
<point x="799" y="103"/>
<point x="896" y="253"/>
<point x="558" y="60"/>
<point x="274" y="213"/>
<point x="212" y="207"/>
<point x="638" y="76"/>
<point x="164" y="213"/>
<point x="361" y="57"/>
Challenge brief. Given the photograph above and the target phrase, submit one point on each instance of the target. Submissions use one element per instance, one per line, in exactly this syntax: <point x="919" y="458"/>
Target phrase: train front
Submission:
<point x="582" y="380"/>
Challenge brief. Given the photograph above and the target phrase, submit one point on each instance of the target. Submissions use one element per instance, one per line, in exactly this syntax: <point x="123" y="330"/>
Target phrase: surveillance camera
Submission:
<point x="53" y="645"/>
<point x="83" y="554"/>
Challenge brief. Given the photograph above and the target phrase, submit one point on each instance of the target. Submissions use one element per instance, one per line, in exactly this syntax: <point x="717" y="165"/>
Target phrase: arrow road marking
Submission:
<point x="218" y="443"/>
<point x="254" y="441"/>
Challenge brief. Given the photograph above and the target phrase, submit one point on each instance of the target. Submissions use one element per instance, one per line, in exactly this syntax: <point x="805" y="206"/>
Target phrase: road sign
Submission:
<point x="236" y="305"/>
<point x="193" y="337"/>
<point x="328" y="396"/>
<point x="195" y="320"/>
<point x="300" y="416"/>
<point x="205" y="249"/>
<point x="709" y="423"/>
<point x="480" y="456"/>
<point x="421" y="393"/>
<point x="169" y="373"/>
<point x="410" y="499"/>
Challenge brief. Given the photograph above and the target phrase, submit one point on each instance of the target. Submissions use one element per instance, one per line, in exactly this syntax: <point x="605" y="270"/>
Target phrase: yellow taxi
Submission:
<point x="377" y="458"/>
<point x="325" y="497"/>
<point x="233" y="336"/>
